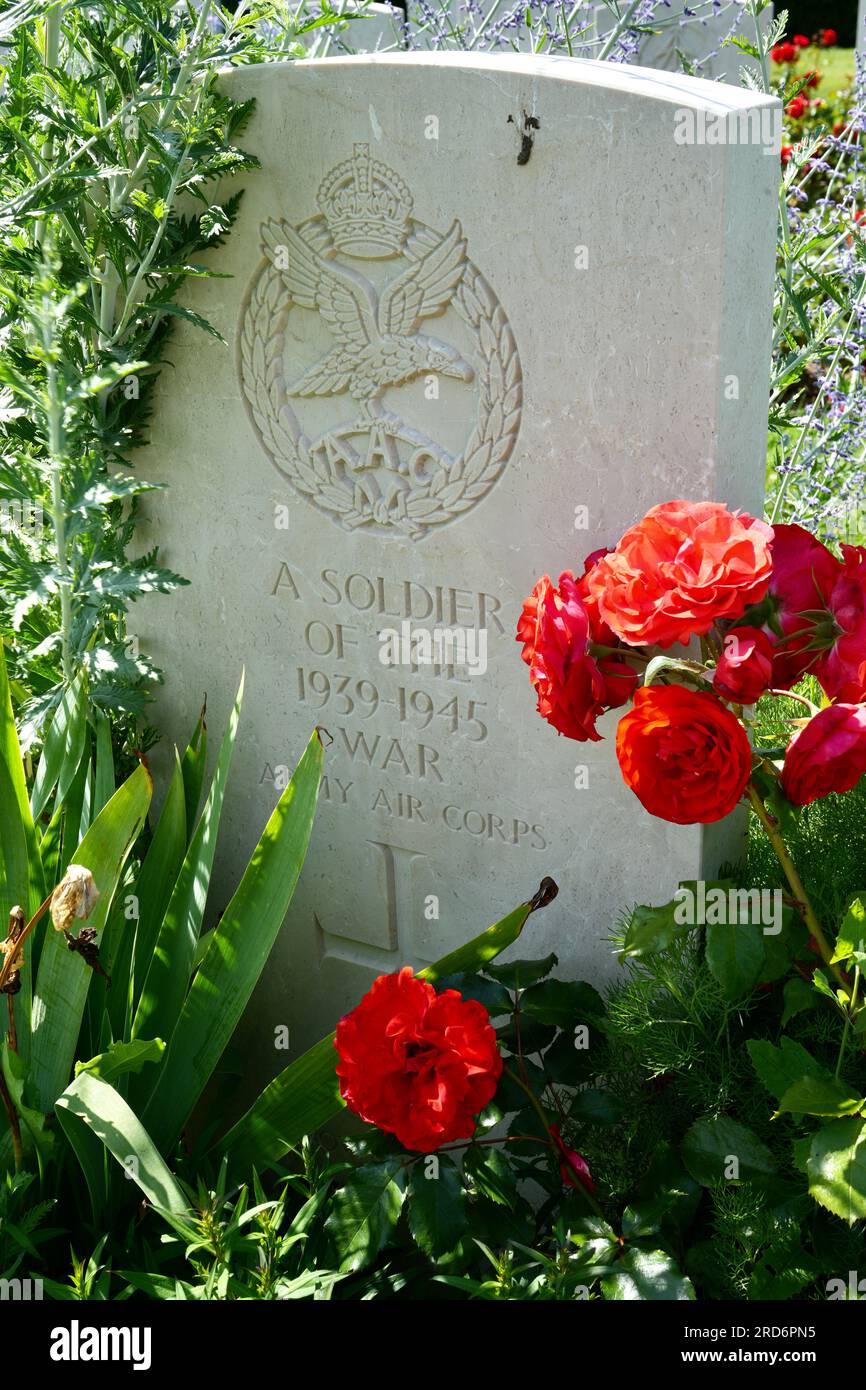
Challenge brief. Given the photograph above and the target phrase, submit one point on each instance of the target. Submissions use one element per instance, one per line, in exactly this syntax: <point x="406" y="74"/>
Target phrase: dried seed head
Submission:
<point x="74" y="896"/>
<point x="12" y="951"/>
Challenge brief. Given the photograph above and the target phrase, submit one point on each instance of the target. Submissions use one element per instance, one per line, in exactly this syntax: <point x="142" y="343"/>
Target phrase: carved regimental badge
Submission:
<point x="377" y="278"/>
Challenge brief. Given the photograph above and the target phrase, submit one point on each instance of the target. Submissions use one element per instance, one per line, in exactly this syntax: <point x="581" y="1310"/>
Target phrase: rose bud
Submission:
<point x="573" y="1167"/>
<point x="74" y="896"/>
<point x="745" y="667"/>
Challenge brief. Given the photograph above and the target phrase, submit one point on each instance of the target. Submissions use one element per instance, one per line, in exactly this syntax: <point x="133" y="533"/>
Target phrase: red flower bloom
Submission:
<point x="554" y="628"/>
<point x="827" y="755"/>
<point x="681" y="569"/>
<point x="821" y="607"/>
<point x="745" y="668"/>
<point x="573" y="1167"/>
<point x="786" y="152"/>
<point x="841" y="668"/>
<point x="804" y="573"/>
<point x="784" y="53"/>
<point x="812" y="79"/>
<point x="801" y="41"/>
<point x="684" y="755"/>
<point x="795" y="108"/>
<point x="828" y="38"/>
<point x="418" y="1064"/>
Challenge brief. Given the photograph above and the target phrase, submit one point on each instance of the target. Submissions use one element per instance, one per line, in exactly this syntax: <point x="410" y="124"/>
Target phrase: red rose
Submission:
<point x="620" y="679"/>
<point x="841" y="668"/>
<point x="828" y="38"/>
<point x="827" y="755"/>
<point x="804" y="573"/>
<point x="786" y="152"/>
<point x="800" y="41"/>
<point x="745" y="668"/>
<point x="681" y="569"/>
<point x="554" y="628"/>
<point x="573" y="1167"/>
<point x="795" y="108"/>
<point x="684" y="755"/>
<point x="418" y="1064"/>
<point x="784" y="53"/>
<point x="812" y="79"/>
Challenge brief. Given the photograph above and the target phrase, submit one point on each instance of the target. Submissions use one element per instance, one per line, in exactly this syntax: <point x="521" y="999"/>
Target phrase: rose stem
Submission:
<point x="787" y="863"/>
<point x="551" y="1144"/>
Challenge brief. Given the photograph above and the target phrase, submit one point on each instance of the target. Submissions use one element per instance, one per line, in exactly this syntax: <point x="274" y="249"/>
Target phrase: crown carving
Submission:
<point x="366" y="206"/>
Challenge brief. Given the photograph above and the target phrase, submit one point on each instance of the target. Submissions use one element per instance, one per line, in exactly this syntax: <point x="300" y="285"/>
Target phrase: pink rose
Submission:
<point x="827" y="755"/>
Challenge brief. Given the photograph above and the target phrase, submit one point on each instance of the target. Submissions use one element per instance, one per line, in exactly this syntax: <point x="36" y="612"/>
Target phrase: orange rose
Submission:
<point x="684" y="567"/>
<point x="684" y="755"/>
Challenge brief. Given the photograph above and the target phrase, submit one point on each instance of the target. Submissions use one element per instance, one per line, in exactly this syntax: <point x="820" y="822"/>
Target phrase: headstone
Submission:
<point x="483" y="316"/>
<point x="369" y="28"/>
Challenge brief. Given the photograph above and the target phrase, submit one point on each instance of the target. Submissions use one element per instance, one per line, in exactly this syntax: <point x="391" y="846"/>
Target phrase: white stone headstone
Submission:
<point x="486" y="313"/>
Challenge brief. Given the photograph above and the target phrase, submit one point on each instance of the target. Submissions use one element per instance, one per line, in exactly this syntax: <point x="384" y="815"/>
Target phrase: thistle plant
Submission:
<point x="114" y="138"/>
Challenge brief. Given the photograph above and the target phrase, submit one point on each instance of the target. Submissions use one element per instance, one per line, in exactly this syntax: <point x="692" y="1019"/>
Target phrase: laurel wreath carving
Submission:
<point x="453" y="489"/>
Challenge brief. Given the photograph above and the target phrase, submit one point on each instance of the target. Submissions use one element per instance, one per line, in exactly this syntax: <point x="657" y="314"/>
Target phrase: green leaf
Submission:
<point x="780" y="1067"/>
<point x="837" y="1168"/>
<point x="122" y="1057"/>
<point x="306" y="1094"/>
<point x="852" y="933"/>
<point x="798" y="996"/>
<point x="711" y="1144"/>
<point x="564" y="1003"/>
<point x="494" y="996"/>
<point x="437" y="1206"/>
<point x="64" y="979"/>
<point x="813" y="1095"/>
<point x="520" y="974"/>
<point x="568" y="1064"/>
<point x="592" y="1107"/>
<point x="152" y="890"/>
<point x="64" y="744"/>
<point x="647" y="1274"/>
<point x="652" y="929"/>
<point x="98" y="1105"/>
<point x="21" y="882"/>
<point x="735" y="954"/>
<point x="492" y="1174"/>
<point x="193" y="769"/>
<point x="176" y="933"/>
<point x="364" y="1211"/>
<point x="239" y="948"/>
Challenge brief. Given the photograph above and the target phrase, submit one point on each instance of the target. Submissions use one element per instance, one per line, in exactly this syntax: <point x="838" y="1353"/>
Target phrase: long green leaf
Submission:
<point x="306" y="1094"/>
<point x="21" y="881"/>
<point x="167" y="975"/>
<point x="152" y="890"/>
<point x="193" y="768"/>
<point x="64" y="979"/>
<point x="98" y="1105"/>
<point x="61" y="752"/>
<point x="239" y="947"/>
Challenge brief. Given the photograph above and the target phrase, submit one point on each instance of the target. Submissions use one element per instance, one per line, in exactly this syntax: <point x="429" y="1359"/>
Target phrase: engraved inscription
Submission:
<point x="377" y="468"/>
